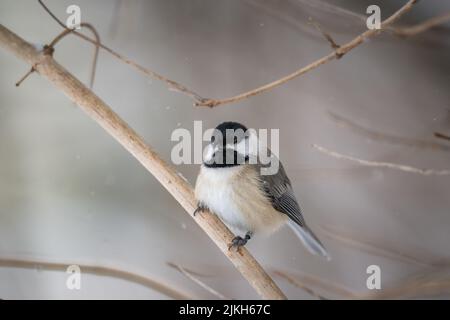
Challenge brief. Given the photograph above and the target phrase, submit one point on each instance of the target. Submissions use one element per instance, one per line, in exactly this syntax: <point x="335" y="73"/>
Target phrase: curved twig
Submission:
<point x="98" y="270"/>
<point x="175" y="86"/>
<point x="97" y="46"/>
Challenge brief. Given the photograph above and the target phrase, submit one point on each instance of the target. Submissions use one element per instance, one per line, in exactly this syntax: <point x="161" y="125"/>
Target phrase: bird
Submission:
<point x="232" y="184"/>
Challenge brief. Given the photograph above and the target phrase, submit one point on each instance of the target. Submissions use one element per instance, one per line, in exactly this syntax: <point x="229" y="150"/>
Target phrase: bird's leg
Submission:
<point x="200" y="208"/>
<point x="238" y="241"/>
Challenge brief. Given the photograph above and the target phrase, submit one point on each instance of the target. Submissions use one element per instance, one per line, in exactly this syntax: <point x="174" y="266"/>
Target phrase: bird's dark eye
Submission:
<point x="213" y="138"/>
<point x="235" y="140"/>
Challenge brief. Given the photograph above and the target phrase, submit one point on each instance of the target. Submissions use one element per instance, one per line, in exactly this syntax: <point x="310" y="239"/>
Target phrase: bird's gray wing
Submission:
<point x="279" y="190"/>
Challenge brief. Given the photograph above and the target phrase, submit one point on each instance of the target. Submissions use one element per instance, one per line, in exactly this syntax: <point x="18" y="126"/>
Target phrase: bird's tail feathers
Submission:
<point x="309" y="239"/>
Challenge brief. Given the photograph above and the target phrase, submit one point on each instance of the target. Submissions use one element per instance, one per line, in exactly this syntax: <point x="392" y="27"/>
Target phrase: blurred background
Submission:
<point x="69" y="194"/>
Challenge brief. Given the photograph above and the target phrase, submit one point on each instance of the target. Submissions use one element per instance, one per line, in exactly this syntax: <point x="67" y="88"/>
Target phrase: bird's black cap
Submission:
<point x="227" y="131"/>
<point x="230" y="125"/>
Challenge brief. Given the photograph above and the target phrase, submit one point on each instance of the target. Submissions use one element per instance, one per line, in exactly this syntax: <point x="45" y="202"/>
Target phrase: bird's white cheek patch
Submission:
<point x="246" y="147"/>
<point x="209" y="153"/>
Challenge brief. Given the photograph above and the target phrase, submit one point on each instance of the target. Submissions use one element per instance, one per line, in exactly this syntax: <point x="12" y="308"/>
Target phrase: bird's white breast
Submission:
<point x="214" y="187"/>
<point x="234" y="194"/>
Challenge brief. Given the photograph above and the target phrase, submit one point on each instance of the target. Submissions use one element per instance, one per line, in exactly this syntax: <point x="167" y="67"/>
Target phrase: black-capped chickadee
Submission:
<point x="233" y="185"/>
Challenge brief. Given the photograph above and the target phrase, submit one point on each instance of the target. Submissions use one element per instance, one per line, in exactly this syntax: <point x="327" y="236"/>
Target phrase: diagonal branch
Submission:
<point x="342" y="50"/>
<point x="441" y="136"/>
<point x="310" y="284"/>
<point x="325" y="34"/>
<point x="402" y="31"/>
<point x="180" y="189"/>
<point x="338" y="53"/>
<point x="301" y="284"/>
<point x="354" y="241"/>
<point x="200" y="283"/>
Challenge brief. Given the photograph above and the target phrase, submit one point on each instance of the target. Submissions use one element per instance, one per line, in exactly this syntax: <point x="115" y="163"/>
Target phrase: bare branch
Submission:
<point x="354" y="241"/>
<point x="329" y="7"/>
<point x="52" y="44"/>
<point x="29" y="72"/>
<point x="297" y="283"/>
<point x="213" y="102"/>
<point x="175" y="86"/>
<point x="441" y="136"/>
<point x="191" y="276"/>
<point x="384" y="137"/>
<point x="305" y="282"/>
<point x="200" y="101"/>
<point x="400" y="167"/>
<point x="97" y="46"/>
<point x="425" y="283"/>
<point x="325" y="34"/>
<point x="403" y="31"/>
<point x="180" y="189"/>
<point x="99" y="270"/>
<point x="342" y="50"/>
<point x="422" y="27"/>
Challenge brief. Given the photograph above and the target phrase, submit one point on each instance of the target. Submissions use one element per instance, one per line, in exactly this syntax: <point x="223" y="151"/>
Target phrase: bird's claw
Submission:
<point x="237" y="242"/>
<point x="200" y="208"/>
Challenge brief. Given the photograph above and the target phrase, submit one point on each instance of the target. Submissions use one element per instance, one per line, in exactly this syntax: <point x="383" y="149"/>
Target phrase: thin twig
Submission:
<point x="441" y="136"/>
<point x="422" y="27"/>
<point x="305" y="282"/>
<point x="175" y="86"/>
<point x="273" y="9"/>
<point x="179" y="188"/>
<point x="18" y="83"/>
<point x="200" y="101"/>
<point x="425" y="283"/>
<point x="300" y="285"/>
<point x="191" y="276"/>
<point x="342" y="50"/>
<point x="329" y="7"/>
<point x="98" y="270"/>
<point x="384" y="137"/>
<point x="325" y="34"/>
<point x="369" y="163"/>
<point x="97" y="46"/>
<point x="403" y="31"/>
<point x="356" y="242"/>
<point x="59" y="37"/>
